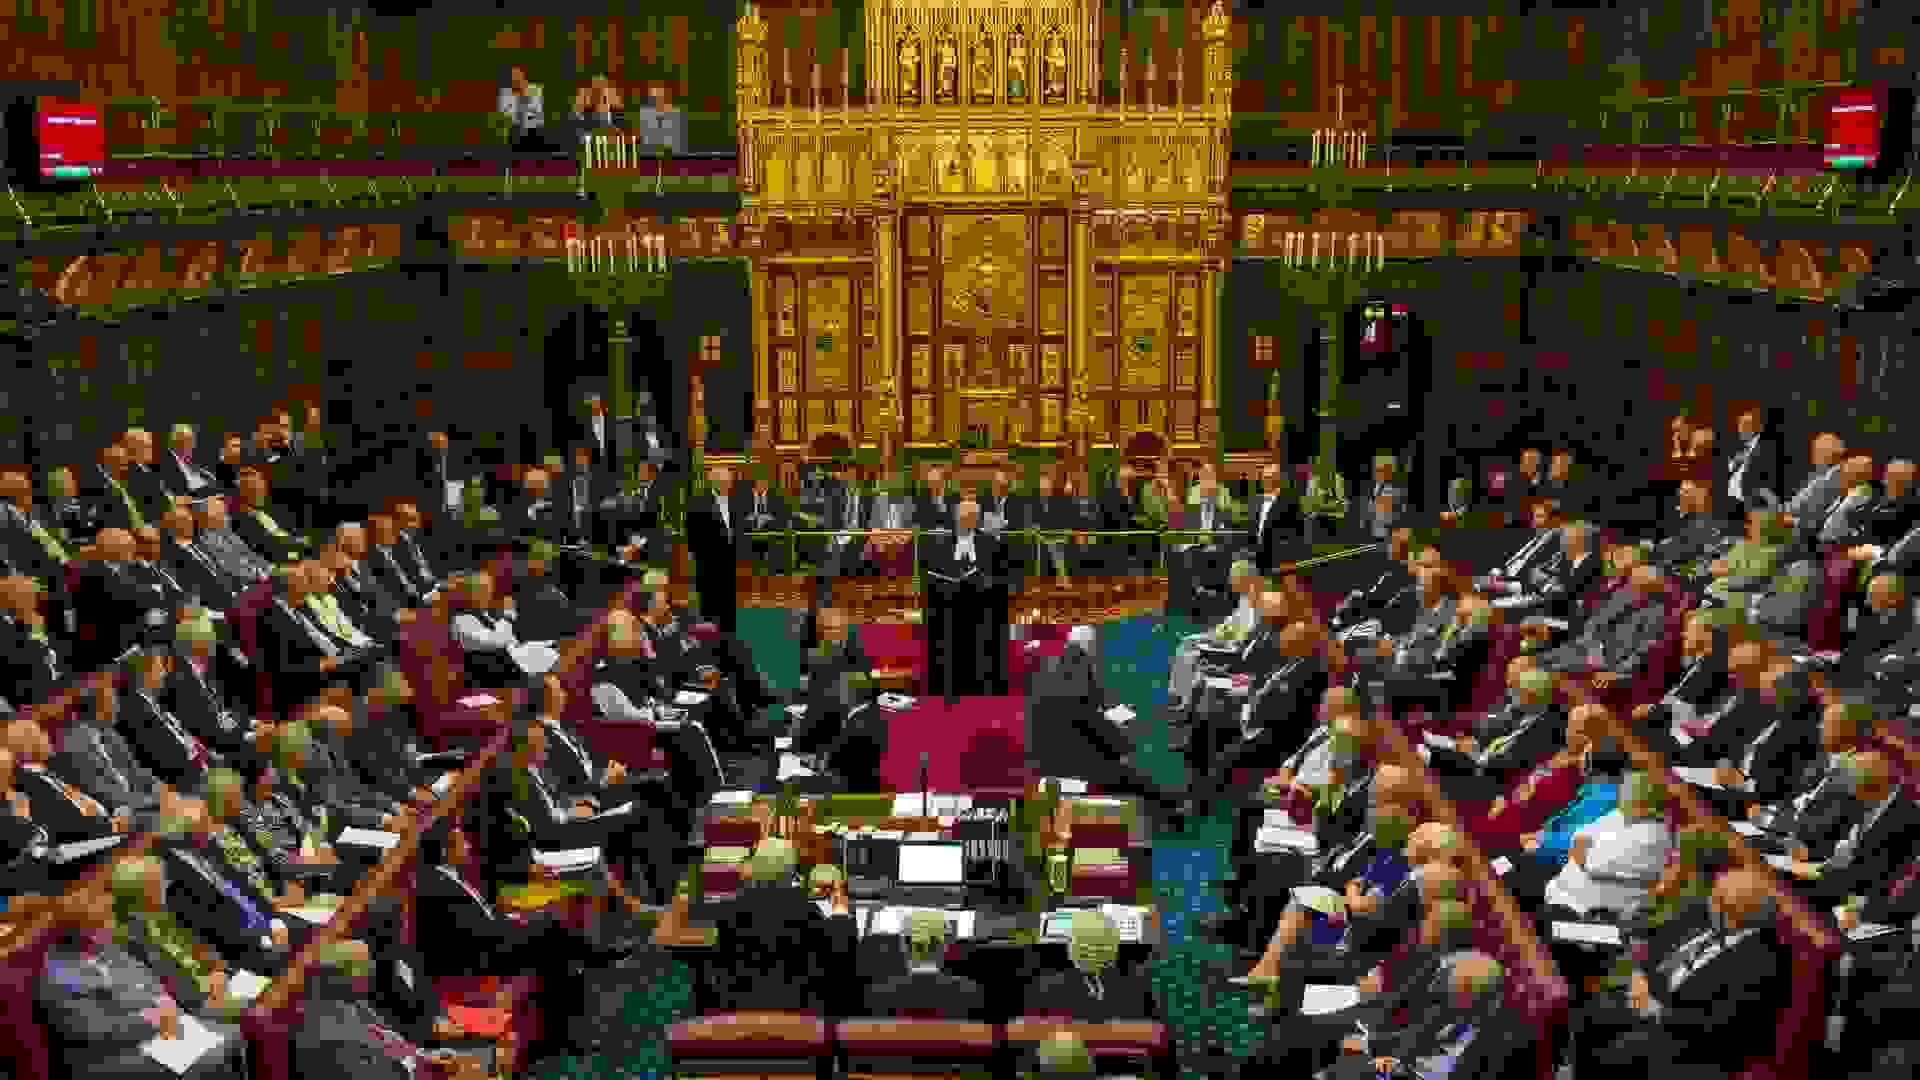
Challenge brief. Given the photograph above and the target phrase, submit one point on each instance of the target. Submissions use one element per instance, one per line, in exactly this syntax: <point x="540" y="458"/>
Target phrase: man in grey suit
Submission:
<point x="663" y="127"/>
<point x="1824" y="485"/>
<point x="104" y="1006"/>
<point x="340" y="1034"/>
<point x="1457" y="1007"/>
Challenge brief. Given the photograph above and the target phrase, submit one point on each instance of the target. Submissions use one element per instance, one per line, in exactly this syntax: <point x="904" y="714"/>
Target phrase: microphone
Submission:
<point x="923" y="784"/>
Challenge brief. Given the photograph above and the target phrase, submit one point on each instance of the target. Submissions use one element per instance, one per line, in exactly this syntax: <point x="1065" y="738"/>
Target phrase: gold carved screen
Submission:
<point x="1143" y="369"/>
<point x="824" y="351"/>
<point x="986" y="332"/>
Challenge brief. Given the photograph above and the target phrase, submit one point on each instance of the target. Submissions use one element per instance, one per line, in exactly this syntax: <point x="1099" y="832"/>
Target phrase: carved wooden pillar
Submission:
<point x="1080" y="297"/>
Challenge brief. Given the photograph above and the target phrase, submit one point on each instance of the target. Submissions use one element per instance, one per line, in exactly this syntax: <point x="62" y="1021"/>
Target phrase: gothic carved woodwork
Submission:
<point x="1189" y="309"/>
<point x="787" y="360"/>
<point x="1052" y="373"/>
<point x="1017" y="66"/>
<point x="946" y="70"/>
<point x="1102" y="305"/>
<point x="922" y="367"/>
<point x="1056" y="86"/>
<point x="984" y="276"/>
<point x="1053" y="305"/>
<point x="1186" y="367"/>
<point x="1050" y="418"/>
<point x="1019" y="365"/>
<point x="920" y="306"/>
<point x="908" y="92"/>
<point x="920" y="236"/>
<point x="784" y="305"/>
<point x="789" y="420"/>
<point x="1143" y="329"/>
<point x="922" y="417"/>
<point x="983" y="74"/>
<point x="829" y="300"/>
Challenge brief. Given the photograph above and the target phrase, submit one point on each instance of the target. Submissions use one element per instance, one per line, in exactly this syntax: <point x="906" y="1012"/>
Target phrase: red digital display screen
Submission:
<point x="1854" y="120"/>
<point x="72" y="139"/>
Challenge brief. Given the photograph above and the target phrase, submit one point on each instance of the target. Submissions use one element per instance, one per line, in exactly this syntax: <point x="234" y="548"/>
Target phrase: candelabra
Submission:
<point x="617" y="268"/>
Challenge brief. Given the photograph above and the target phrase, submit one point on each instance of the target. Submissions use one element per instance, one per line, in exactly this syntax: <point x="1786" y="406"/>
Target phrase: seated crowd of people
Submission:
<point x="218" y="717"/>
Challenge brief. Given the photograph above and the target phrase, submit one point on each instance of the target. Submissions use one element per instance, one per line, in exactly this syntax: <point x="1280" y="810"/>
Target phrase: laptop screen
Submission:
<point x="931" y="864"/>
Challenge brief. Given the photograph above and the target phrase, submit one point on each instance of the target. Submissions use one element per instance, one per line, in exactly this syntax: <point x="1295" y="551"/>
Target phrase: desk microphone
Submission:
<point x="923" y="783"/>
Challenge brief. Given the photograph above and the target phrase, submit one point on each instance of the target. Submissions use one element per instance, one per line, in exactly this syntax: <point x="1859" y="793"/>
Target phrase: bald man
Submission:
<point x="1674" y="1015"/>
<point x="1825" y="483"/>
<point x="111" y="600"/>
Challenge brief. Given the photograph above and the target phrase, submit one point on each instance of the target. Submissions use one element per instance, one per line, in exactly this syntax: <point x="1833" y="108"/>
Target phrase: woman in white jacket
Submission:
<point x="1226" y="633"/>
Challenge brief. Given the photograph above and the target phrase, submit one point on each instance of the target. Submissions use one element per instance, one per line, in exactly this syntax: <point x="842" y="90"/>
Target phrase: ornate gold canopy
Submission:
<point x="998" y="222"/>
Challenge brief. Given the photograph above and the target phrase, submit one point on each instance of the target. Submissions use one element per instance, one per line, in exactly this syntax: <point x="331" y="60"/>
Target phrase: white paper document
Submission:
<point x="379" y="838"/>
<point x="573" y="859"/>
<point x="1121" y="715"/>
<point x="896" y="702"/>
<point x="1502" y="865"/>
<point x="1129" y="919"/>
<point x="245" y="985"/>
<point x="1323" y="998"/>
<point x="319" y="916"/>
<point x="61" y="854"/>
<point x="1070" y="786"/>
<point x="690" y="698"/>
<point x="1698" y="776"/>
<point x="1218" y="682"/>
<point x="179" y="1055"/>
<point x="1277" y="819"/>
<point x="732" y="798"/>
<point x="1748" y="829"/>
<point x="535" y="658"/>
<point x="1444" y="742"/>
<point x="1587" y="933"/>
<point x="1869" y="931"/>
<point x="1780" y="862"/>
<point x="907" y="804"/>
<point x="1286" y="839"/>
<point x="1320" y="898"/>
<point x="893" y="920"/>
<point x="791" y="767"/>
<point x="476" y="701"/>
<point x="784" y="742"/>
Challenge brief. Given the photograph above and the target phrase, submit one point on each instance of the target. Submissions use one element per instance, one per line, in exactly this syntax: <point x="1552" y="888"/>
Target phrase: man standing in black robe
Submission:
<point x="967" y="590"/>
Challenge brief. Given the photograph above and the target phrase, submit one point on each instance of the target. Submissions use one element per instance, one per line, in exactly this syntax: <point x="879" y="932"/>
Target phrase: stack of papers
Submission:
<point x="319" y="916"/>
<point x="1121" y="715"/>
<point x="731" y="798"/>
<point x="1444" y="742"/>
<point x="1869" y="931"/>
<point x="893" y="920"/>
<point x="1270" y="840"/>
<point x="478" y="701"/>
<point x="1320" y="898"/>
<point x="379" y="838"/>
<point x="1323" y="998"/>
<point x="561" y="862"/>
<point x="245" y="985"/>
<point x="535" y="658"/>
<point x="180" y="1054"/>
<point x="1587" y="933"/>
<point x="792" y="768"/>
<point x="690" y="698"/>
<point x="62" y="854"/>
<point x="1129" y="919"/>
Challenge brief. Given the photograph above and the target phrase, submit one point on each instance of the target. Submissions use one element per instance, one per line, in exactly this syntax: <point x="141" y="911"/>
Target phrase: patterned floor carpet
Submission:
<point x="1137" y="651"/>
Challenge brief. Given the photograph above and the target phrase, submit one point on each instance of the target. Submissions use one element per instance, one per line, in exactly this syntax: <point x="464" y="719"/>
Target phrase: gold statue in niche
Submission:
<point x="909" y="70"/>
<point x="1017" y="66"/>
<point x="1056" y="84"/>
<point x="783" y="299"/>
<point x="946" y="71"/>
<point x="983" y="73"/>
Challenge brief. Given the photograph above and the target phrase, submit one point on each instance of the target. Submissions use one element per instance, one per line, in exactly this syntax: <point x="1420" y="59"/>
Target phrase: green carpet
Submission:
<point x="1136" y="652"/>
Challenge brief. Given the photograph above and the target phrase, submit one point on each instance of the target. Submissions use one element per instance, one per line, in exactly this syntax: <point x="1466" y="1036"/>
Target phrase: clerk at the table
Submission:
<point x="1092" y="992"/>
<point x="967" y="609"/>
<point x="776" y="951"/>
<point x="925" y="991"/>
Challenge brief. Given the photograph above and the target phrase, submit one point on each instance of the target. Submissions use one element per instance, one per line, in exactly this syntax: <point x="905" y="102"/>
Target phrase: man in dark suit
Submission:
<point x="150" y="565"/>
<point x="204" y="686"/>
<point x="1092" y="992"/>
<point x="214" y="535"/>
<point x="1696" y="539"/>
<point x="1674" y="1015"/>
<point x="1521" y="733"/>
<point x="460" y="932"/>
<point x="1756" y="470"/>
<point x="1825" y="483"/>
<point x="299" y="653"/>
<point x="1274" y="519"/>
<point x="967" y="615"/>
<point x="1701" y="686"/>
<point x="925" y="991"/>
<point x="103" y="1005"/>
<point x="111" y="601"/>
<point x="141" y="479"/>
<point x="1526" y="487"/>
<point x="1554" y="586"/>
<point x="1071" y="733"/>
<point x="844" y="509"/>
<point x="839" y="724"/>
<point x="713" y="539"/>
<point x="1880" y="840"/>
<point x="1385" y="503"/>
<point x="192" y="567"/>
<point x="111" y="504"/>
<point x="1897" y="510"/>
<point x="57" y="802"/>
<point x="775" y="949"/>
<point x="30" y="543"/>
<point x="340" y="1034"/>
<point x="383" y="562"/>
<point x="1276" y="716"/>
<point x="763" y="510"/>
<point x="32" y="664"/>
<point x="1617" y="640"/>
<point x="179" y="475"/>
<point x="176" y="755"/>
<point x="260" y="529"/>
<point x="1510" y="577"/>
<point x="1459" y="1007"/>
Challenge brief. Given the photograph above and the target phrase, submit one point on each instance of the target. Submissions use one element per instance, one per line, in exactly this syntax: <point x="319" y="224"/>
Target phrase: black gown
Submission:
<point x="966" y="619"/>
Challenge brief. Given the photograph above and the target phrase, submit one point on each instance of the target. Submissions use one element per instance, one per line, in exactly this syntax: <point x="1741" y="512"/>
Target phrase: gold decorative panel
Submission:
<point x="1184" y="412"/>
<point x="983" y="68"/>
<point x="922" y="417"/>
<point x="1050" y="424"/>
<point x="1189" y="310"/>
<point x="984" y="283"/>
<point x="818" y="418"/>
<point x="953" y="364"/>
<point x="789" y="420"/>
<point x="1053" y="237"/>
<point x="1054" y="159"/>
<point x="829" y="302"/>
<point x="788" y="362"/>
<point x="919" y="306"/>
<point x="785" y="307"/>
<point x="1102" y="305"/>
<point x="946" y="70"/>
<point x="1143" y="329"/>
<point x="1186" y="367"/>
<point x="1053" y="305"/>
<point x="874" y="364"/>
<point x="1019" y="365"/>
<point x="922" y="367"/>
<point x="920" y="236"/>
<point x="1052" y="366"/>
<point x="1100" y="369"/>
<point x="1017" y="63"/>
<point x="869" y="308"/>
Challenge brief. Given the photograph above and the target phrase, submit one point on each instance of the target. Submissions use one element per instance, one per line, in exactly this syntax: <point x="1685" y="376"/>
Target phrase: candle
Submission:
<point x="1315" y="159"/>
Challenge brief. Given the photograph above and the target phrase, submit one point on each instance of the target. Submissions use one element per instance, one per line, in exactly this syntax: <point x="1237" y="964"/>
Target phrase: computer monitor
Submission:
<point x="939" y="863"/>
